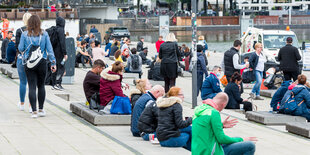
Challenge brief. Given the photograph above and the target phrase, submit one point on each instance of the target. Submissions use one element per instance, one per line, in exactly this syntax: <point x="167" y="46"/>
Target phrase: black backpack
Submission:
<point x="135" y="61"/>
<point x="52" y="33"/>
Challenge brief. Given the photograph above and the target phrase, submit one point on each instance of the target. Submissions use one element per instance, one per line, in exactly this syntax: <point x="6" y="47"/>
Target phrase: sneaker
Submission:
<point x="60" y="87"/>
<point x="34" y="115"/>
<point x="30" y="109"/>
<point x="258" y="98"/>
<point x="55" y="88"/>
<point x="21" y="107"/>
<point x="252" y="95"/>
<point x="42" y="113"/>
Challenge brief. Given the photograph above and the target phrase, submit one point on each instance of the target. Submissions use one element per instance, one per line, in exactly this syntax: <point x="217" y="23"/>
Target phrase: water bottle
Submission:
<point x="63" y="61"/>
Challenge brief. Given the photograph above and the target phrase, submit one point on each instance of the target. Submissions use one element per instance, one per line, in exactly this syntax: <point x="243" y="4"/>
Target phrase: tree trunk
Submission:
<point x="217" y="7"/>
<point x="205" y="6"/>
<point x="138" y="9"/>
<point x="224" y="7"/>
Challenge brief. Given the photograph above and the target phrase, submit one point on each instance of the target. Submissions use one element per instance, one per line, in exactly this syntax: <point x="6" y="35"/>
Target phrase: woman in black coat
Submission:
<point x="169" y="55"/>
<point x="232" y="90"/>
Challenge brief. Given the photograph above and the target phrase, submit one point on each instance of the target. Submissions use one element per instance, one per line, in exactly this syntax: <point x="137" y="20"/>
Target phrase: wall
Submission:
<point x="110" y="12"/>
<point x="186" y="21"/>
<point x="72" y="26"/>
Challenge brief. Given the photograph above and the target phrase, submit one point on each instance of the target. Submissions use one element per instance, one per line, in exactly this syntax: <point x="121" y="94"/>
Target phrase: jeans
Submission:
<point x="57" y="76"/>
<point x="22" y="79"/>
<point x="259" y="78"/>
<point x="184" y="140"/>
<point x="36" y="79"/>
<point x="128" y="71"/>
<point x="240" y="148"/>
<point x="199" y="81"/>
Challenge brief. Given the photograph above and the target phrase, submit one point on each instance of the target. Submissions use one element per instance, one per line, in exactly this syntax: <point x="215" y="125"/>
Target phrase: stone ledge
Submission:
<point x="268" y="118"/>
<point x="65" y="96"/>
<point x="131" y="75"/>
<point x="299" y="128"/>
<point x="97" y="119"/>
<point x="12" y="74"/>
<point x="267" y="93"/>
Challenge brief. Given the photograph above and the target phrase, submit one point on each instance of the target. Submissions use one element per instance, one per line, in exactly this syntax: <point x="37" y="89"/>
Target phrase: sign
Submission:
<point x="163" y="26"/>
<point x="306" y="58"/>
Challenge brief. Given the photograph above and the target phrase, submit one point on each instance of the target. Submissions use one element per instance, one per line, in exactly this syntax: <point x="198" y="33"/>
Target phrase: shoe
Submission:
<point x="258" y="98"/>
<point x="134" y="82"/>
<point x="252" y="95"/>
<point x="42" y="113"/>
<point x="55" y="88"/>
<point x="21" y="107"/>
<point x="60" y="87"/>
<point x="30" y="109"/>
<point x="34" y="115"/>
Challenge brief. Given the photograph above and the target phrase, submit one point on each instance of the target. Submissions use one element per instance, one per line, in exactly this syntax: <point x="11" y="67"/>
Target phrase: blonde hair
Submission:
<point x="201" y="38"/>
<point x="171" y="38"/>
<point x="256" y="45"/>
<point x="141" y="84"/>
<point x="26" y="16"/>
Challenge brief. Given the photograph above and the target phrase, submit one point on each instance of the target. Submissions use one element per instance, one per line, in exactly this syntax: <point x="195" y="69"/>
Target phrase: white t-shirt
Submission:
<point x="261" y="62"/>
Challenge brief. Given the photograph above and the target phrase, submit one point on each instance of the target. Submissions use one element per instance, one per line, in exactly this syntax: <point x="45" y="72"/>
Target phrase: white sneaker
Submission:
<point x="34" y="115"/>
<point x="30" y="109"/>
<point x="42" y="113"/>
<point x="21" y="107"/>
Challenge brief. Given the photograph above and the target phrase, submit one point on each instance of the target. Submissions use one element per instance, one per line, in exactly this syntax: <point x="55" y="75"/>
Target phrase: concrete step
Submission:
<point x="95" y="118"/>
<point x="12" y="73"/>
<point x="65" y="96"/>
<point x="267" y="93"/>
<point x="269" y="118"/>
<point x="131" y="75"/>
<point x="299" y="128"/>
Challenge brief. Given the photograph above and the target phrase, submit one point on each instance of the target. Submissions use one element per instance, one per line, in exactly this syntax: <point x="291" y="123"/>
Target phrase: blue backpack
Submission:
<point x="120" y="105"/>
<point x="290" y="105"/>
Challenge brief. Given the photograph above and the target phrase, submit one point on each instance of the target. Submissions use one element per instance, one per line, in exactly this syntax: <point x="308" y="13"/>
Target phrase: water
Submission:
<point x="218" y="40"/>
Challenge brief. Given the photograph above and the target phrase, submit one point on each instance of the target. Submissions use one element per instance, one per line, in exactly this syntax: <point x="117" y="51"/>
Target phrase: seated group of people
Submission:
<point x="154" y="112"/>
<point x="211" y="87"/>
<point x="298" y="90"/>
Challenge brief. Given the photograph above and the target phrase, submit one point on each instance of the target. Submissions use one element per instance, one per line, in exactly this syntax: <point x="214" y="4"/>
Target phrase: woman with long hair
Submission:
<point x="169" y="55"/>
<point x="142" y="85"/>
<point x="34" y="36"/>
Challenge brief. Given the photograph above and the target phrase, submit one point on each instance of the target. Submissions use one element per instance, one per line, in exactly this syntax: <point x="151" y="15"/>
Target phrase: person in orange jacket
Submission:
<point x="5" y="26"/>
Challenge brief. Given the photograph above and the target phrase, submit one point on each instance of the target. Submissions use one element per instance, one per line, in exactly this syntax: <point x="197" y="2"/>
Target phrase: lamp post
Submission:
<point x="194" y="51"/>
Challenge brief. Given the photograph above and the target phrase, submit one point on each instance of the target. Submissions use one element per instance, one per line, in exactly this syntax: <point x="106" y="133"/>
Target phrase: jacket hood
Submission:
<point x="286" y="83"/>
<point x="164" y="102"/>
<point x="135" y="91"/>
<point x="297" y="89"/>
<point x="107" y="74"/>
<point x="60" y="22"/>
<point x="199" y="54"/>
<point x="201" y="110"/>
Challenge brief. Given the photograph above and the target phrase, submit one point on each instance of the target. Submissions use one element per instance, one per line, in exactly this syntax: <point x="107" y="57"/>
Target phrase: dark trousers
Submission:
<point x="57" y="76"/>
<point x="199" y="82"/>
<point x="290" y="75"/>
<point x="169" y="82"/>
<point x="85" y="59"/>
<point x="36" y="79"/>
<point x="127" y="70"/>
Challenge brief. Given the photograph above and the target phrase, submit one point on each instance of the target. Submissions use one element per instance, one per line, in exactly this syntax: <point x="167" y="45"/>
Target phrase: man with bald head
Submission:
<point x="145" y="100"/>
<point x="208" y="136"/>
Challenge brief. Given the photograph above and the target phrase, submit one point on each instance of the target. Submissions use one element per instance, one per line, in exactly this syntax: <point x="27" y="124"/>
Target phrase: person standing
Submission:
<point x="158" y="43"/>
<point x="230" y="63"/>
<point x="289" y="57"/>
<point x="169" y="55"/>
<point x="201" y="68"/>
<point x="20" y="66"/>
<point x="5" y="44"/>
<point x="93" y="29"/>
<point x="257" y="64"/>
<point x="60" y="54"/>
<point x="5" y="27"/>
<point x="208" y="136"/>
<point x="36" y="76"/>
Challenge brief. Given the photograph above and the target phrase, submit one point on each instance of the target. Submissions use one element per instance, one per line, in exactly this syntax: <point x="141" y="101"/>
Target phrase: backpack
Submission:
<point x="35" y="55"/>
<point x="289" y="105"/>
<point x="120" y="105"/>
<point x="52" y="33"/>
<point x="135" y="61"/>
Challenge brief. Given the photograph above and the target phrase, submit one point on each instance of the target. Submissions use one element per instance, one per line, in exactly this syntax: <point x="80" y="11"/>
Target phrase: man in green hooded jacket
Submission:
<point x="208" y="137"/>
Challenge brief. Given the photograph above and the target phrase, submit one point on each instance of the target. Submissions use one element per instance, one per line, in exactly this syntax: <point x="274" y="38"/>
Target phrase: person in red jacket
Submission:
<point x="158" y="43"/>
<point x="110" y="83"/>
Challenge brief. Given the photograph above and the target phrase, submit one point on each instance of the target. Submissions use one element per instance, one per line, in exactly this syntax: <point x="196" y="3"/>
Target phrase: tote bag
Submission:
<point x="121" y="105"/>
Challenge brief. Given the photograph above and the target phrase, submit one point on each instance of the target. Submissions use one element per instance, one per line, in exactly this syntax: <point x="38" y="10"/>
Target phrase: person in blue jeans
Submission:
<point x="257" y="62"/>
<point x="19" y="65"/>
<point x="172" y="130"/>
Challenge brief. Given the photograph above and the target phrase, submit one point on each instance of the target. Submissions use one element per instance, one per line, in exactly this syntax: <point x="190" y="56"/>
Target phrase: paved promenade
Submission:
<point x="61" y="132"/>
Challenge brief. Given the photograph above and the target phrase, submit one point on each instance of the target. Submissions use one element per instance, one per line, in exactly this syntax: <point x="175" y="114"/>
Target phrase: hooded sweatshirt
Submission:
<point x="207" y="132"/>
<point x="279" y="94"/>
<point x="170" y="118"/>
<point x="60" y="47"/>
<point x="110" y="86"/>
